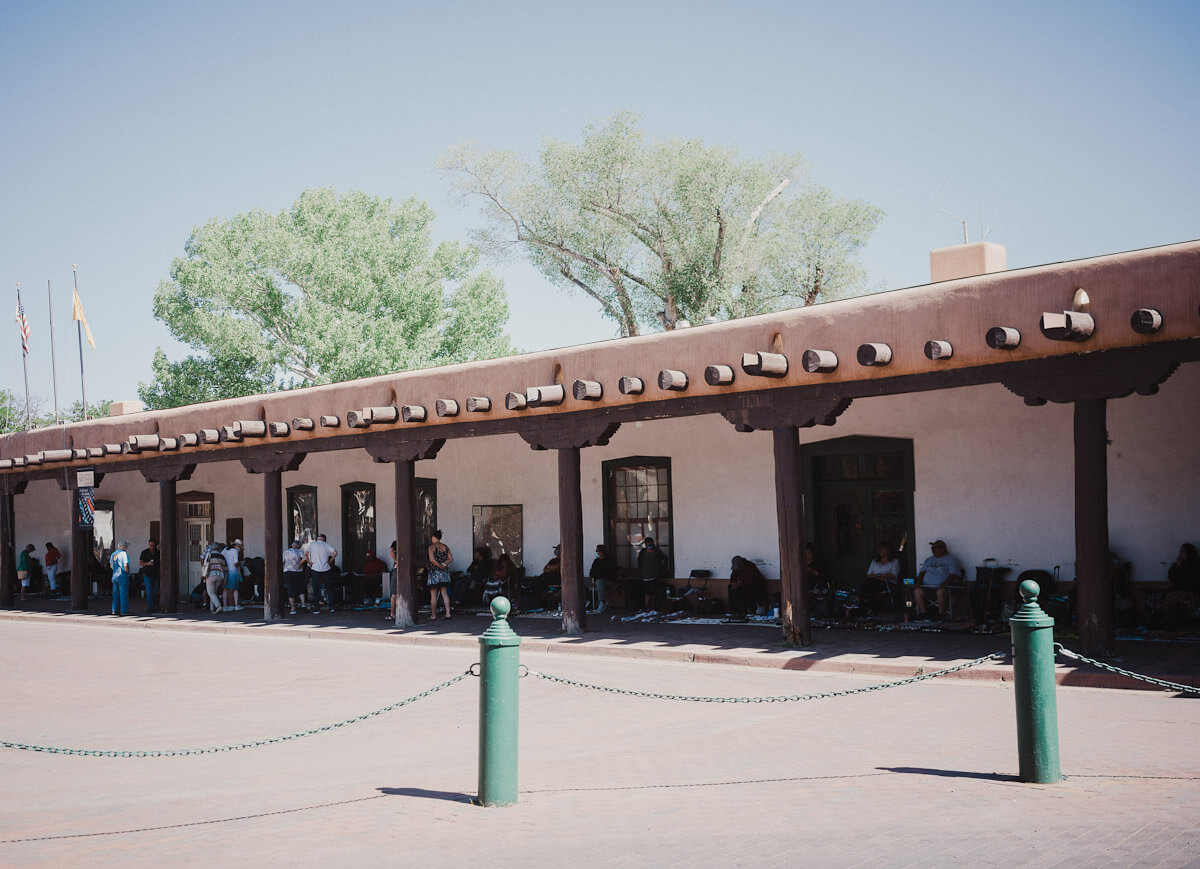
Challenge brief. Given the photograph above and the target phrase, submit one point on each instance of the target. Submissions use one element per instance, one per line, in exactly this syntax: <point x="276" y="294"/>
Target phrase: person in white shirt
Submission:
<point x="320" y="555"/>
<point x="293" y="576"/>
<point x="937" y="571"/>
<point x="233" y="574"/>
<point x="883" y="574"/>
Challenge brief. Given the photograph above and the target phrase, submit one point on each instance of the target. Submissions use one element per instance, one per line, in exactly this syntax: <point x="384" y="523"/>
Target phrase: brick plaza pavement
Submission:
<point x="912" y="776"/>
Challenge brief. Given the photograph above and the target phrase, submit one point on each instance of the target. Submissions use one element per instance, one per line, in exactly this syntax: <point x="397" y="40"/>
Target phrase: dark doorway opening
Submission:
<point x="358" y="524"/>
<point x="424" y="520"/>
<point x="860" y="492"/>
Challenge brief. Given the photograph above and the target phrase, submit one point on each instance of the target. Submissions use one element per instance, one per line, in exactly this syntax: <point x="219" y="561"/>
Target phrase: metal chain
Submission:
<point x="239" y="746"/>
<point x="1162" y="683"/>
<point x="823" y="695"/>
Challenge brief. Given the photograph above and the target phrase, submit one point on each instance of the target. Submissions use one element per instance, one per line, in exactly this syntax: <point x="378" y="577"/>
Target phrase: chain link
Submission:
<point x="823" y="695"/>
<point x="1161" y="683"/>
<point x="239" y="746"/>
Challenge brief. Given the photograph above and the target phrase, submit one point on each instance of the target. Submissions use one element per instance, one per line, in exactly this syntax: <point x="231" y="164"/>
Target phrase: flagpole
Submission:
<point x="53" y="363"/>
<point x="79" y="333"/>
<point x="25" y="365"/>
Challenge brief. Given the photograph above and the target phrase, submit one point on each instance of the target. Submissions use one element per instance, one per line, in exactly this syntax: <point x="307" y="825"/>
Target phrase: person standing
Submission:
<point x="233" y="574"/>
<point x="53" y="556"/>
<point x="320" y="555"/>
<point x="293" y="576"/>
<point x="393" y="576"/>
<point x="601" y="576"/>
<point x="212" y="567"/>
<point x="438" y="578"/>
<point x="119" y="562"/>
<point x="652" y="564"/>
<point x="148" y="562"/>
<point x="25" y="568"/>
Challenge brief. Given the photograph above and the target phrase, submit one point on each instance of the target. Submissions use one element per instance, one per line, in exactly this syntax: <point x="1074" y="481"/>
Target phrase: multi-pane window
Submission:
<point x="637" y="502"/>
<point x="302" y="513"/>
<point x="500" y="529"/>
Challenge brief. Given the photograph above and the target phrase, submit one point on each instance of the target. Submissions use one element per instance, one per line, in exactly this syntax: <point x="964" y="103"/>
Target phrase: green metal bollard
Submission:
<point x="498" y="665"/>
<point x="1033" y="679"/>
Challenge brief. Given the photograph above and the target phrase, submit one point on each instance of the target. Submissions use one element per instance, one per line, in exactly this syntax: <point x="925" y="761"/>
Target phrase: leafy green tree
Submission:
<point x="335" y="287"/>
<point x="662" y="231"/>
<point x="12" y="412"/>
<point x="74" y="412"/>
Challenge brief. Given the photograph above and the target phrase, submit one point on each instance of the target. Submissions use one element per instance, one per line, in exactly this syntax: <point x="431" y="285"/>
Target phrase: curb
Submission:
<point x="1065" y="675"/>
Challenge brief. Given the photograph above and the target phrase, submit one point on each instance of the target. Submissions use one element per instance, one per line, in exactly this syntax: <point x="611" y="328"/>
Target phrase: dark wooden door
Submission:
<point x="862" y="494"/>
<point x="358" y="524"/>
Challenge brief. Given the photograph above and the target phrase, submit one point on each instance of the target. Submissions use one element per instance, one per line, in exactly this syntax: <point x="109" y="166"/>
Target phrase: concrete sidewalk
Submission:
<point x="880" y="653"/>
<point x="914" y="776"/>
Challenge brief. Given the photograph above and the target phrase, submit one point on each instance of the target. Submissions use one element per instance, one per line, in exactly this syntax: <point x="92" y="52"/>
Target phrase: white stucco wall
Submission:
<point x="994" y="478"/>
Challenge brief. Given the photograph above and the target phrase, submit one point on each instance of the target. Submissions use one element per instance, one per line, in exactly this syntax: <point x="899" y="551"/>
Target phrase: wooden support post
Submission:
<point x="8" y="552"/>
<point x="273" y="545"/>
<point x="168" y="548"/>
<point x="789" y="511"/>
<point x="1093" y="579"/>
<point x="406" y="592"/>
<point x="404" y="453"/>
<point x="167" y="475"/>
<point x="272" y="466"/>
<point x="570" y="525"/>
<point x="568" y="439"/>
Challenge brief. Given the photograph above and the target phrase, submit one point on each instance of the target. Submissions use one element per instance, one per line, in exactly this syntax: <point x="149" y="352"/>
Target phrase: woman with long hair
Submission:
<point x="438" y="579"/>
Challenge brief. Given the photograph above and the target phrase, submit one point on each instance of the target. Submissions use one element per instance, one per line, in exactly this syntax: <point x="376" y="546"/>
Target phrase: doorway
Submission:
<point x="195" y="512"/>
<point x="424" y="519"/>
<point x="358" y="524"/>
<point x="860" y="492"/>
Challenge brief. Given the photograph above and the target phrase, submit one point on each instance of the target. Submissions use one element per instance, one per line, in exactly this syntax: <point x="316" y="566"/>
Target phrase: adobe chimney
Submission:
<point x="966" y="261"/>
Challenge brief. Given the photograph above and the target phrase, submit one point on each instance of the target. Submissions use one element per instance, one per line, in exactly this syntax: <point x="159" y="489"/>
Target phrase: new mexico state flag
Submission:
<point x="77" y="314"/>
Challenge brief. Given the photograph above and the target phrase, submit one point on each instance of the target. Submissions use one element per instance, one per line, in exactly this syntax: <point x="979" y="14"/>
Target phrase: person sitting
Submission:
<point x="820" y="594"/>
<point x="747" y="587"/>
<point x="541" y="591"/>
<point x="883" y="574"/>
<point x="1184" y="573"/>
<point x="502" y="574"/>
<point x="471" y="583"/>
<point x="937" y="572"/>
<point x="373" y="570"/>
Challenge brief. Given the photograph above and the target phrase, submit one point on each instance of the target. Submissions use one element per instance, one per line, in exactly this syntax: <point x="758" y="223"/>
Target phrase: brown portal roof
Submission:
<point x="1140" y="304"/>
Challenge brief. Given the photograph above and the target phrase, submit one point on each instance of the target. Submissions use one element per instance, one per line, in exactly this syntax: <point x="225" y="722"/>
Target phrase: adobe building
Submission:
<point x="1040" y="417"/>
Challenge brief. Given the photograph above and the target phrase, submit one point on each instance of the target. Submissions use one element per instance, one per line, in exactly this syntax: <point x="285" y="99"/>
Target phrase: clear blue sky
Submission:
<point x="1066" y="129"/>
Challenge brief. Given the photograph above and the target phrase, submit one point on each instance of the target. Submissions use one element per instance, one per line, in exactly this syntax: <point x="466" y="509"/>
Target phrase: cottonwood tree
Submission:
<point x="667" y="230"/>
<point x="12" y="412"/>
<point x="335" y="287"/>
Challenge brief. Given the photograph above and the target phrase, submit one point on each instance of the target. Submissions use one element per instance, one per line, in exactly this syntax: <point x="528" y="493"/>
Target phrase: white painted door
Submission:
<point x="197" y="532"/>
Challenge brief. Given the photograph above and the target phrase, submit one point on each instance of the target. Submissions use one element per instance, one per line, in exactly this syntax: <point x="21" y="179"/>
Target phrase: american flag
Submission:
<point x="23" y="324"/>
